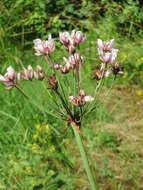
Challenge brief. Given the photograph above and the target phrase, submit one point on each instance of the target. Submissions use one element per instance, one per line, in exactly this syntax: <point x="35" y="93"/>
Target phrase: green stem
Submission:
<point x="84" y="156"/>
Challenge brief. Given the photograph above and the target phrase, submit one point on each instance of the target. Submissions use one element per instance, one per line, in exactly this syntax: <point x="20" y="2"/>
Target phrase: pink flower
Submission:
<point x="105" y="46"/>
<point x="64" y="37"/>
<point x="108" y="57"/>
<point x="67" y="41"/>
<point x="70" y="40"/>
<point x="45" y="47"/>
<point x="105" y="58"/>
<point x="77" y="37"/>
<point x="28" y="74"/>
<point x="11" y="78"/>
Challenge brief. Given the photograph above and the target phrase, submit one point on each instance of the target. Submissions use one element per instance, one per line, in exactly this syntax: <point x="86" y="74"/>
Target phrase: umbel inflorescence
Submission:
<point x="72" y="110"/>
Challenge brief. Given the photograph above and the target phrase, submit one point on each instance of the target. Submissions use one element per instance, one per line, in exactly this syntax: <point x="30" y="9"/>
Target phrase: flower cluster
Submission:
<point x="80" y="99"/>
<point x="108" y="57"/>
<point x="12" y="78"/>
<point x="74" y="61"/>
<point x="71" y="40"/>
<point x="29" y="73"/>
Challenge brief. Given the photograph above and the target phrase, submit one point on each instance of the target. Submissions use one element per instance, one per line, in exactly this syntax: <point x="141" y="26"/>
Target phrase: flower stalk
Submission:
<point x="84" y="156"/>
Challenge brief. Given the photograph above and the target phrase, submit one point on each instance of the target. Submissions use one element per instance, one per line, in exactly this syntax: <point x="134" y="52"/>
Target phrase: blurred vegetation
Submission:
<point x="21" y="21"/>
<point x="23" y="18"/>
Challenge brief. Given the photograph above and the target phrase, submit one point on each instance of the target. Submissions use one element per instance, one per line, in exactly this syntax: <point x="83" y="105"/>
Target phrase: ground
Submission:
<point x="116" y="147"/>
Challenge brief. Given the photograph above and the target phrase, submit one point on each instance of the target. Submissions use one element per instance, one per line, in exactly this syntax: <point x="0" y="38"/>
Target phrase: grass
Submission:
<point x="37" y="151"/>
<point x="115" y="148"/>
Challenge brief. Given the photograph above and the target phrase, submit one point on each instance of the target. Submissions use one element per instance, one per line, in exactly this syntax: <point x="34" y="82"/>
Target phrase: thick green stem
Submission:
<point x="84" y="156"/>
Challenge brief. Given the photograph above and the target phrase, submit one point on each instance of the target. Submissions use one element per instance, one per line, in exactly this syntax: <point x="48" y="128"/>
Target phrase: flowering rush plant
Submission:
<point x="73" y="102"/>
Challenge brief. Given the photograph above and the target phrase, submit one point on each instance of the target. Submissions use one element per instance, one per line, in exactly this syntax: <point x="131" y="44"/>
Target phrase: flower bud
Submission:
<point x="77" y="37"/>
<point x="75" y="59"/>
<point x="52" y="82"/>
<point x="28" y="74"/>
<point x="39" y="74"/>
<point x="64" y="38"/>
<point x="97" y="74"/>
<point x="116" y="69"/>
<point x="106" y="46"/>
<point x="11" y="78"/>
<point x="11" y="74"/>
<point x="63" y="69"/>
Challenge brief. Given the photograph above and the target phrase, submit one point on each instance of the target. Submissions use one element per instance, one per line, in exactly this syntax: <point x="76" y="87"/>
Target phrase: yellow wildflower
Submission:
<point x="38" y="128"/>
<point x="47" y="129"/>
<point x="139" y="93"/>
<point x="52" y="148"/>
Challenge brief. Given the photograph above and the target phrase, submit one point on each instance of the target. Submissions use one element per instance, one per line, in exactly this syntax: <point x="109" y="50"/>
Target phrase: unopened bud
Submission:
<point x="11" y="78"/>
<point x="39" y="74"/>
<point x="53" y="82"/>
<point x="28" y="74"/>
<point x="77" y="37"/>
